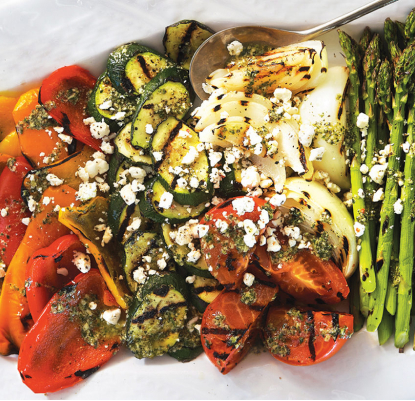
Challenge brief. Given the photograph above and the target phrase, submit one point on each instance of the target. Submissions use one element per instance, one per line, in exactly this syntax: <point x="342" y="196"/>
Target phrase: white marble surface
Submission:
<point x="38" y="36"/>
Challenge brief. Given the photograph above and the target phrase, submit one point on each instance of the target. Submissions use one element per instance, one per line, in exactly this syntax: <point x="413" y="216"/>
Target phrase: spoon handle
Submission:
<point x="344" y="19"/>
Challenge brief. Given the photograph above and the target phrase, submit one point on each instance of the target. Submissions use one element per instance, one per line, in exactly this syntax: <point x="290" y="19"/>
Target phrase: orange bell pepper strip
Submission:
<point x="43" y="229"/>
<point x="82" y="221"/>
<point x="10" y="145"/>
<point x="6" y="118"/>
<point x="39" y="142"/>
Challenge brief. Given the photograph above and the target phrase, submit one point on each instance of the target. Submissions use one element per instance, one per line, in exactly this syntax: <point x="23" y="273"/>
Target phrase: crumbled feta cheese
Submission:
<point x="273" y="244"/>
<point x="293" y="232"/>
<point x="361" y="193"/>
<point x="191" y="156"/>
<point x="139" y="275"/>
<point x="278" y="200"/>
<point x="157" y="156"/>
<point x="31" y="204"/>
<point x="214" y="158"/>
<point x="86" y="191"/>
<point x="202" y="230"/>
<point x="250" y="177"/>
<point x="26" y="221"/>
<point x="249" y="279"/>
<point x="406" y="146"/>
<point x="181" y="183"/>
<point x="112" y="316"/>
<point x="194" y="182"/>
<point x="243" y="205"/>
<point x="107" y="148"/>
<point x="190" y="280"/>
<point x="106" y="105"/>
<point x="221" y="225"/>
<point x="99" y="130"/>
<point x="253" y="136"/>
<point x="120" y="115"/>
<point x="250" y="240"/>
<point x="81" y="261"/>
<point x="317" y="154"/>
<point x="184" y="134"/>
<point x="364" y="169"/>
<point x="92" y="305"/>
<point x="235" y="48"/>
<point x="46" y="200"/>
<point x="362" y="121"/>
<point x="54" y="180"/>
<point x="306" y="134"/>
<point x="149" y="129"/>
<point x="250" y="227"/>
<point x="282" y="95"/>
<point x="135" y="224"/>
<point x="398" y="207"/>
<point x="107" y="236"/>
<point x="193" y="256"/>
<point x="63" y="271"/>
<point x="137" y="173"/>
<point x="65" y="138"/>
<point x="89" y="120"/>
<point x="359" y="229"/>
<point x="166" y="200"/>
<point x="4" y="212"/>
<point x="161" y="263"/>
<point x="377" y="172"/>
<point x="378" y="195"/>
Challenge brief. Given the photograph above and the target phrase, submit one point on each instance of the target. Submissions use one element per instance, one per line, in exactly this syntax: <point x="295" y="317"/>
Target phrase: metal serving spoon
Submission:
<point x="212" y="54"/>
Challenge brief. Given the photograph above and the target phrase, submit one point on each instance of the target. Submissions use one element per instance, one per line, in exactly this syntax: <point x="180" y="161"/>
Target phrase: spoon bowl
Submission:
<point x="213" y="53"/>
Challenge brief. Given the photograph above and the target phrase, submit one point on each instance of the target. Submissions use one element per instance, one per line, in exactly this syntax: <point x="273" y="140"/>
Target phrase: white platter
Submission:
<point x="38" y="36"/>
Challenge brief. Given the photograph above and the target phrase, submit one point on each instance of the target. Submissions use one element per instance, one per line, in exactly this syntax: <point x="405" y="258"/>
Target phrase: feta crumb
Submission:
<point x="149" y="129"/>
<point x="26" y="221"/>
<point x="398" y="206"/>
<point x="361" y="193"/>
<point x="112" y="316"/>
<point x="364" y="169"/>
<point x="92" y="305"/>
<point x="4" y="212"/>
<point x="306" y="134"/>
<point x="166" y="200"/>
<point x="273" y="244"/>
<point x="253" y="136"/>
<point x="54" y="180"/>
<point x="406" y="146"/>
<point x="221" y="225"/>
<point x="250" y="227"/>
<point x="139" y="275"/>
<point x="278" y="200"/>
<point x="63" y="271"/>
<point x="89" y="120"/>
<point x="202" y="230"/>
<point x="190" y="280"/>
<point x="249" y="279"/>
<point x="214" y="158"/>
<point x="235" y="48"/>
<point x="282" y="95"/>
<point x="99" y="130"/>
<point x="191" y="156"/>
<point x="157" y="156"/>
<point x="193" y="256"/>
<point x="378" y="195"/>
<point x="194" y="182"/>
<point x="107" y="236"/>
<point x="107" y="148"/>
<point x="250" y="177"/>
<point x="46" y="200"/>
<point x="359" y="229"/>
<point x="377" y="172"/>
<point x="82" y="262"/>
<point x="250" y="240"/>
<point x="362" y="120"/>
<point x="317" y="154"/>
<point x="135" y="224"/>
<point x="184" y="134"/>
<point x="119" y="116"/>
<point x="65" y="138"/>
<point x="243" y="205"/>
<point x="86" y="191"/>
<point x="161" y="263"/>
<point x="128" y="194"/>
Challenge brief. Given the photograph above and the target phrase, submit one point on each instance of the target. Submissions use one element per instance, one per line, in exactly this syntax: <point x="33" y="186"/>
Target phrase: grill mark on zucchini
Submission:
<point x="207" y="288"/>
<point x="143" y="65"/>
<point x="186" y="39"/>
<point x="145" y="316"/>
<point x="162" y="291"/>
<point x="172" y="306"/>
<point x="173" y="134"/>
<point x="125" y="222"/>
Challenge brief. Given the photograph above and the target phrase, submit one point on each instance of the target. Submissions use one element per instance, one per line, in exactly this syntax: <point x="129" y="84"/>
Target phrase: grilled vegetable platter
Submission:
<point x="276" y="216"/>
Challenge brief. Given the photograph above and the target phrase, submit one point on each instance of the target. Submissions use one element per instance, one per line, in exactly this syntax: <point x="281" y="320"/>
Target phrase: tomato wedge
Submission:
<point x="65" y="93"/>
<point x="304" y="338"/>
<point x="230" y="323"/>
<point x="306" y="277"/>
<point x="13" y="208"/>
<point x="54" y="354"/>
<point x="49" y="270"/>
<point x="234" y="229"/>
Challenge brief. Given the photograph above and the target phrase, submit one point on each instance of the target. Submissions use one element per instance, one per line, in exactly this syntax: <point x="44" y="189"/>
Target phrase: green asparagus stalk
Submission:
<point x="371" y="63"/>
<point x="367" y="273"/>
<point x="405" y="68"/>
<point x="364" y="41"/>
<point x="391" y="292"/>
<point x="354" y="298"/>
<point x="384" y="90"/>
<point x="364" y="301"/>
<point x="390" y="29"/>
<point x="410" y="27"/>
<point x="401" y="34"/>
<point x="406" y="250"/>
<point x="385" y="329"/>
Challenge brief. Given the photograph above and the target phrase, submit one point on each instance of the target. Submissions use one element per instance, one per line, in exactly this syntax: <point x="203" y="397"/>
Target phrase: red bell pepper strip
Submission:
<point x="60" y="351"/>
<point x="64" y="93"/>
<point x="12" y="208"/>
<point x="49" y="270"/>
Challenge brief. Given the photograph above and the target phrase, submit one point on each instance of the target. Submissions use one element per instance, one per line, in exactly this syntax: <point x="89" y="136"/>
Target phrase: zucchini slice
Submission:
<point x="231" y="184"/>
<point x="157" y="316"/>
<point x="173" y="141"/>
<point x="144" y="250"/>
<point x="105" y="101"/>
<point x="204" y="291"/>
<point x="132" y="65"/>
<point x="124" y="147"/>
<point x="177" y="213"/>
<point x="179" y="254"/>
<point x="183" y="38"/>
<point x="167" y="94"/>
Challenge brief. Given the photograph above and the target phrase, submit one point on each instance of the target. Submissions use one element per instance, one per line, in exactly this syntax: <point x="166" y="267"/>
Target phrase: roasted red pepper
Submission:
<point x="12" y="208"/>
<point x="49" y="270"/>
<point x="70" y="340"/>
<point x="64" y="93"/>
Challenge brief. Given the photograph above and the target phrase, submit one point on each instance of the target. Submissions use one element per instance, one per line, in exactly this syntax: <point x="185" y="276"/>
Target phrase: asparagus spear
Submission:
<point x="367" y="273"/>
<point x="410" y="26"/>
<point x="405" y="68"/>
<point x="391" y="292"/>
<point x="401" y="34"/>
<point x="371" y="62"/>
<point x="385" y="328"/>
<point x="384" y="91"/>
<point x="390" y="29"/>
<point x="406" y="250"/>
<point x="358" y="318"/>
